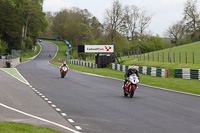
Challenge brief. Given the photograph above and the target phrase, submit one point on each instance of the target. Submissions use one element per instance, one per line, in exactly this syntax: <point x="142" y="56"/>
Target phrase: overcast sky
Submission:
<point x="165" y="12"/>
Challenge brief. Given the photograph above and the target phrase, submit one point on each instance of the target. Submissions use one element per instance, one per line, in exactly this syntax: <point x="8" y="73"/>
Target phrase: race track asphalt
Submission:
<point x="97" y="105"/>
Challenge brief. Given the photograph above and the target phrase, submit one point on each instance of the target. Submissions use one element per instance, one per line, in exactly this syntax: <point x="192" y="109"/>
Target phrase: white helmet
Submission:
<point x="134" y="69"/>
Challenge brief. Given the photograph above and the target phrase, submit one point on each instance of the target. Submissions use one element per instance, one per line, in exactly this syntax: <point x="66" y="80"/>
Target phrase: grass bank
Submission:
<point x="134" y="61"/>
<point x="28" y="54"/>
<point x="11" y="127"/>
<point x="181" y="57"/>
<point x="167" y="65"/>
<point x="179" y="54"/>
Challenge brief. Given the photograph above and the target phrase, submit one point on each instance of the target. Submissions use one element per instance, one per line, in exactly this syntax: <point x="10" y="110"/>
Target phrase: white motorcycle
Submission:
<point x="131" y="85"/>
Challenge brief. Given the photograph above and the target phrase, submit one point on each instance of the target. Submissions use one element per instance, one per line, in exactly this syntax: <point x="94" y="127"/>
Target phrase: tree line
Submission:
<point x="186" y="30"/>
<point x="20" y="24"/>
<point x="124" y="26"/>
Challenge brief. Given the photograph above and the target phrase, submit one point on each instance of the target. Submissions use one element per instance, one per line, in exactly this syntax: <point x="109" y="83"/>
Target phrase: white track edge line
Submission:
<point x="39" y="118"/>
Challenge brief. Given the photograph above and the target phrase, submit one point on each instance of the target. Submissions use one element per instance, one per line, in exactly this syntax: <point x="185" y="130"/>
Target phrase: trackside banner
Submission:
<point x="99" y="48"/>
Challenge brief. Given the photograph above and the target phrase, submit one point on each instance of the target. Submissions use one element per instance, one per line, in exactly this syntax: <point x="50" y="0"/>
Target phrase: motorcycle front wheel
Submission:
<point x="62" y="75"/>
<point x="132" y="91"/>
<point x="125" y="94"/>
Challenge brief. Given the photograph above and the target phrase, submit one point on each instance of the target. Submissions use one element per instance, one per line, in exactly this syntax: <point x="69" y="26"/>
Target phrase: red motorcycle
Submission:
<point x="131" y="85"/>
<point x="63" y="71"/>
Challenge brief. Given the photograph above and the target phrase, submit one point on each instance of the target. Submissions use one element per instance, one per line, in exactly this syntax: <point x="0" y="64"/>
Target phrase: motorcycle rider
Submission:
<point x="130" y="71"/>
<point x="63" y="65"/>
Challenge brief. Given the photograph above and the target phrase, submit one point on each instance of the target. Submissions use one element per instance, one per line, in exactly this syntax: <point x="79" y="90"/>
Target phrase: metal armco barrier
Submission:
<point x="152" y="71"/>
<point x="187" y="73"/>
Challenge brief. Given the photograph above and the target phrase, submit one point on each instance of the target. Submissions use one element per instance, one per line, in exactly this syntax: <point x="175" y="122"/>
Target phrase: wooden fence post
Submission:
<point x="131" y="53"/>
<point x="174" y="56"/>
<point x="153" y="56"/>
<point x="168" y="56"/>
<point x="163" y="57"/>
<point x="186" y="57"/>
<point x="193" y="57"/>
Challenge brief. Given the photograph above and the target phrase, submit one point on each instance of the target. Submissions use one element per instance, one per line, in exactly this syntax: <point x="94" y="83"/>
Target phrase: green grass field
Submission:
<point x="177" y="54"/>
<point x="11" y="127"/>
<point x="163" y="62"/>
<point x="26" y="55"/>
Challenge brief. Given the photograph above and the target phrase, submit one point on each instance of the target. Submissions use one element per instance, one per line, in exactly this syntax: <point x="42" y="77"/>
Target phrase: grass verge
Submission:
<point x="134" y="61"/>
<point x="11" y="127"/>
<point x="13" y="72"/>
<point x="28" y="54"/>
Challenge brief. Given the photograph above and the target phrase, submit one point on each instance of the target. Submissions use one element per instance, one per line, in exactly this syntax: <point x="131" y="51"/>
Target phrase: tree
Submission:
<point x="131" y="19"/>
<point x="176" y="31"/>
<point x="70" y="32"/>
<point x="38" y="22"/>
<point x="114" y="18"/>
<point x="59" y="22"/>
<point x="85" y="34"/>
<point x="151" y="43"/>
<point x="21" y="19"/>
<point x="3" y="47"/>
<point x="144" y="21"/>
<point x="86" y="15"/>
<point x="96" y="28"/>
<point x="48" y="32"/>
<point x="67" y="16"/>
<point x="10" y="25"/>
<point x="191" y="16"/>
<point x="77" y="33"/>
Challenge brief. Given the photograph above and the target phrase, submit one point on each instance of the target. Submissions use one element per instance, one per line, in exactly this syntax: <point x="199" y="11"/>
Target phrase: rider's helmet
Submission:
<point x="64" y="63"/>
<point x="133" y="69"/>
